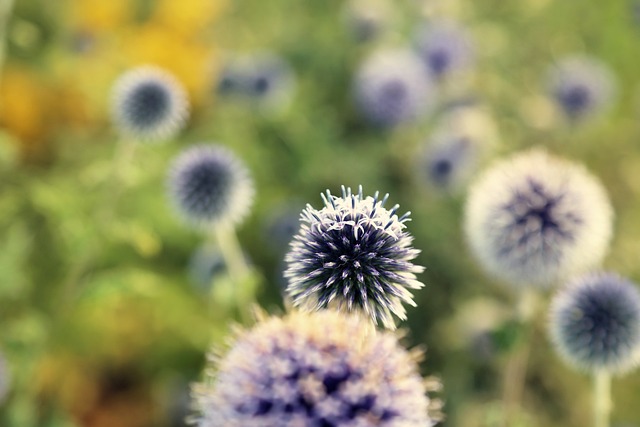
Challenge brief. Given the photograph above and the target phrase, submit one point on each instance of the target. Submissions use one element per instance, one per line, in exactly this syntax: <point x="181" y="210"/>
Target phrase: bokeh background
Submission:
<point x="105" y="319"/>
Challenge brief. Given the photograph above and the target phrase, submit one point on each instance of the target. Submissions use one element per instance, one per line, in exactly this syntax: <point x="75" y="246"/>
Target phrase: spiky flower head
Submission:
<point x="581" y="86"/>
<point x="391" y="87"/>
<point x="535" y="219"/>
<point x="595" y="323"/>
<point x="445" y="47"/>
<point x="355" y="255"/>
<point x="209" y="185"/>
<point x="149" y="104"/>
<point x="315" y="369"/>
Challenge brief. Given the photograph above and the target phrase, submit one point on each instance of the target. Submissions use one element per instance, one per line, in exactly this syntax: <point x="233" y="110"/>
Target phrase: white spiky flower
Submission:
<point x="537" y="219"/>
<point x="353" y="254"/>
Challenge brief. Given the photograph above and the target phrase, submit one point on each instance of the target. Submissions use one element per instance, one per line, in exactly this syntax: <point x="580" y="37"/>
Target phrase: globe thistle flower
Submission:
<point x="595" y="323"/>
<point x="353" y="254"/>
<point x="458" y="145"/>
<point x="536" y="219"/>
<point x="444" y="47"/>
<point x="391" y="87"/>
<point x="581" y="86"/>
<point x="209" y="185"/>
<point x="265" y="79"/>
<point x="149" y="104"/>
<point x="315" y="369"/>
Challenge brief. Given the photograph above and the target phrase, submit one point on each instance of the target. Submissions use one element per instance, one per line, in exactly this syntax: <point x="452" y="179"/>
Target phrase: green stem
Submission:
<point x="602" y="404"/>
<point x="516" y="370"/>
<point x="236" y="266"/>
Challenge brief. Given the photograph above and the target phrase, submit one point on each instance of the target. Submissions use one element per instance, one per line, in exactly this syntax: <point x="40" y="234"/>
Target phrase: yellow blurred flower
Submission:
<point x="26" y="107"/>
<point x="99" y="15"/>
<point x="186" y="16"/>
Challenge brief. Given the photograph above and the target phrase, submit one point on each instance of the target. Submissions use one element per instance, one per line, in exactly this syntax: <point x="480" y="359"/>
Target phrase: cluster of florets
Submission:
<point x="353" y="254"/>
<point x="315" y="369"/>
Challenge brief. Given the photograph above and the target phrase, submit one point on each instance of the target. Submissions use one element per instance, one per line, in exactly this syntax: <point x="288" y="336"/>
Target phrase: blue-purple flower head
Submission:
<point x="320" y="369"/>
<point x="391" y="88"/>
<point x="581" y="86"/>
<point x="445" y="48"/>
<point x="353" y="254"/>
<point x="595" y="323"/>
<point x="209" y="185"/>
<point x="264" y="79"/>
<point x="465" y="136"/>
<point x="149" y="104"/>
<point x="535" y="219"/>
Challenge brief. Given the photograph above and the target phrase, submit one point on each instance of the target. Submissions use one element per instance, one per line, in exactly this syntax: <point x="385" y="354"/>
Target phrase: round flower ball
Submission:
<point x="209" y="185"/>
<point x="444" y="47"/>
<point x="314" y="369"/>
<point x="391" y="87"/>
<point x="535" y="219"/>
<point x="353" y="254"/>
<point x="581" y="86"/>
<point x="149" y="104"/>
<point x="595" y="323"/>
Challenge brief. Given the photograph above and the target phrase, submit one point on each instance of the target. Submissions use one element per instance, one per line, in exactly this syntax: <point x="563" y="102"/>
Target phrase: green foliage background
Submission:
<point x="99" y="322"/>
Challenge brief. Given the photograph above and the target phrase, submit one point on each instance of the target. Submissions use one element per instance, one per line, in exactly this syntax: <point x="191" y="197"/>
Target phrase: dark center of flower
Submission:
<point x="205" y="189"/>
<point x="575" y="99"/>
<point x="439" y="61"/>
<point x="394" y="92"/>
<point x="261" y="85"/>
<point x="539" y="220"/>
<point x="148" y="104"/>
<point x="441" y="170"/>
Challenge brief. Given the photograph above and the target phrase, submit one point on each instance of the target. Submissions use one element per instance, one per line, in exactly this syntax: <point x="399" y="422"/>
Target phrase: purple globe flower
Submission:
<point x="149" y="104"/>
<point x="208" y="185"/>
<point x="444" y="47"/>
<point x="595" y="323"/>
<point x="391" y="88"/>
<point x="315" y="369"/>
<point x="581" y="86"/>
<point x="353" y="254"/>
<point x="263" y="79"/>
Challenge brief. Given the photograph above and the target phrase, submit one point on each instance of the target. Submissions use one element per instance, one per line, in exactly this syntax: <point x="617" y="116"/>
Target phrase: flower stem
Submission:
<point x="516" y="370"/>
<point x="237" y="267"/>
<point x="602" y="398"/>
